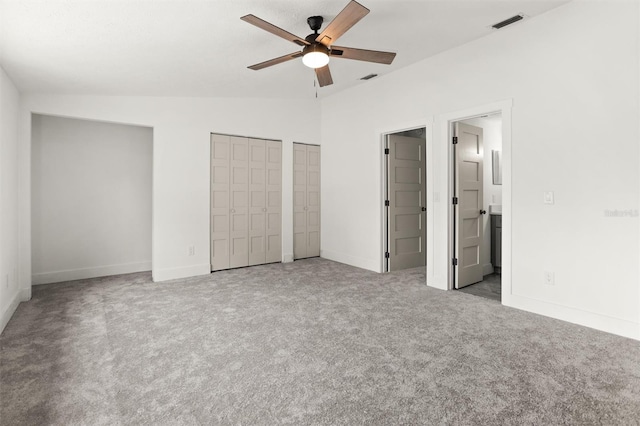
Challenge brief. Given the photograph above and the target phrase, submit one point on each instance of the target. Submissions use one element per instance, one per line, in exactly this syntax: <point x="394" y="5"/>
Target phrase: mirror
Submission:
<point x="497" y="167"/>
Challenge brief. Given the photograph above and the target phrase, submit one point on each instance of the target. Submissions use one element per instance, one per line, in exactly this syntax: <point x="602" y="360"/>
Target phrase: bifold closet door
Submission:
<point x="306" y="201"/>
<point x="246" y="206"/>
<point x="239" y="203"/>
<point x="265" y="194"/>
<point x="220" y="205"/>
<point x="273" y="219"/>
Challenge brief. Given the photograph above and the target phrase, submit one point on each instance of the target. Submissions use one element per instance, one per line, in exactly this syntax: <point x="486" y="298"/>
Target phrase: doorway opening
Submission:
<point x="477" y="205"/>
<point x="97" y="177"/>
<point x="404" y="186"/>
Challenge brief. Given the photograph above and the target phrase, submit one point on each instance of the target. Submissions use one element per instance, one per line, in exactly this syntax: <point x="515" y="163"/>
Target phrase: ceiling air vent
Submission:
<point x="508" y="21"/>
<point x="369" y="77"/>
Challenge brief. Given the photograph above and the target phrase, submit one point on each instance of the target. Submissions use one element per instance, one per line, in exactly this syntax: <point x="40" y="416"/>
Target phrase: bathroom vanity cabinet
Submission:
<point x="496" y="242"/>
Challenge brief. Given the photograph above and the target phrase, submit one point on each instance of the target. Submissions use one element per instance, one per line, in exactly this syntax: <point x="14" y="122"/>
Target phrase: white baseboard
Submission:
<point x="600" y="322"/>
<point x="287" y="257"/>
<point x="439" y="282"/>
<point x="181" y="272"/>
<point x="11" y="308"/>
<point x="25" y="294"/>
<point x="93" y="272"/>
<point x="358" y="262"/>
<point x="487" y="269"/>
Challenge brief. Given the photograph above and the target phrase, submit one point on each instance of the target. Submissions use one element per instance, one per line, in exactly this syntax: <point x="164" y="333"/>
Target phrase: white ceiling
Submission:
<point x="202" y="48"/>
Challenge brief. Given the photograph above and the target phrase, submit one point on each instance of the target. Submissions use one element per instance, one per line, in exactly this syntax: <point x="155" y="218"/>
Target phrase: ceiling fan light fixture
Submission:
<point x="315" y="55"/>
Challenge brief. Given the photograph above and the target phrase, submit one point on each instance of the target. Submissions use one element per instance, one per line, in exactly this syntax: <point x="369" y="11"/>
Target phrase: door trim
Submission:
<point x="445" y="126"/>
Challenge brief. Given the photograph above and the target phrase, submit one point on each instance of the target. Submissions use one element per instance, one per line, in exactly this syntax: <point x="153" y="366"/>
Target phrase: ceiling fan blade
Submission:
<point x="362" y="54"/>
<point x="261" y="23"/>
<point x="346" y="19"/>
<point x="324" y="76"/>
<point x="275" y="61"/>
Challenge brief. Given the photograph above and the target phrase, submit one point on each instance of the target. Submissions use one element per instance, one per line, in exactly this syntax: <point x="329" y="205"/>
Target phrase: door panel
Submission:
<point x="220" y="202"/>
<point x="306" y="201"/>
<point x="257" y="207"/>
<point x="299" y="201"/>
<point x="239" y="250"/>
<point x="313" y="200"/>
<point x="273" y="207"/>
<point x="406" y="192"/>
<point x="469" y="192"/>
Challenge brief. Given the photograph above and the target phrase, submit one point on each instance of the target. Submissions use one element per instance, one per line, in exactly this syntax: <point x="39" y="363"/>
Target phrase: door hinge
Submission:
<point x="386" y="255"/>
<point x="454" y="261"/>
<point x="455" y="200"/>
<point x="455" y="140"/>
<point x="386" y="203"/>
<point x="386" y="151"/>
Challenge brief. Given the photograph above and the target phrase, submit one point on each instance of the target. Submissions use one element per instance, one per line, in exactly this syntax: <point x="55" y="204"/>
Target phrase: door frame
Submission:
<point x="418" y="124"/>
<point x="445" y="125"/>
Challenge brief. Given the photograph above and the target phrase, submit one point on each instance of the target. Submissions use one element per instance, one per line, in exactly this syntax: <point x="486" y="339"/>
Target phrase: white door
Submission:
<point x="306" y="201"/>
<point x="265" y="201"/>
<point x="273" y="191"/>
<point x="468" y="189"/>
<point x="239" y="201"/>
<point x="313" y="200"/>
<point x="299" y="201"/>
<point x="220" y="202"/>
<point x="406" y="192"/>
<point x="257" y="201"/>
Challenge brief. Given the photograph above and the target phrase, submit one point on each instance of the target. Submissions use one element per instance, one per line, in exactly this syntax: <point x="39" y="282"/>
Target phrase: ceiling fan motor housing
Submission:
<point x="315" y="22"/>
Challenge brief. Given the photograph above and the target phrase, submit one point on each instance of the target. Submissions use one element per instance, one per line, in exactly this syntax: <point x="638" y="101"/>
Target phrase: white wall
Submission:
<point x="10" y="294"/>
<point x="181" y="133"/>
<point x="492" y="194"/>
<point x="572" y="74"/>
<point x="90" y="200"/>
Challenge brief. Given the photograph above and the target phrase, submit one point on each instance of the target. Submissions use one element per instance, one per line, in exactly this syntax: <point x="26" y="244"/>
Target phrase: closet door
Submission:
<point x="313" y="200"/>
<point x="257" y="202"/>
<point x="219" y="202"/>
<point x="246" y="202"/>
<point x="273" y="190"/>
<point x="239" y="200"/>
<point x="306" y="201"/>
<point x="299" y="201"/>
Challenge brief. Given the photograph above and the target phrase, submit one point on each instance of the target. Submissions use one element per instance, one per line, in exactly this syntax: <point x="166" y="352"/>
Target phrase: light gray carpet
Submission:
<point x="309" y="342"/>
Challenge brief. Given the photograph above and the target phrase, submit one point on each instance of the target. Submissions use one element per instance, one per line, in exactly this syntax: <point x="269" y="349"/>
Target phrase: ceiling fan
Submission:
<point x="317" y="48"/>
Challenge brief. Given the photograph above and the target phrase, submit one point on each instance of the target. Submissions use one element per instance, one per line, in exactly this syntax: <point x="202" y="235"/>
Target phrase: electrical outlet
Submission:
<point x="548" y="197"/>
<point x="549" y="278"/>
<point x="192" y="250"/>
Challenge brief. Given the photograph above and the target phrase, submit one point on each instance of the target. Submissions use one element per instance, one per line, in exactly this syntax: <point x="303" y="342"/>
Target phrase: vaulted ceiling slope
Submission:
<point x="202" y="48"/>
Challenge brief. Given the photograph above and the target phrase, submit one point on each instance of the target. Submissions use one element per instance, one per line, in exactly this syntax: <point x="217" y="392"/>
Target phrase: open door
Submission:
<point x="406" y="174"/>
<point x="469" y="207"/>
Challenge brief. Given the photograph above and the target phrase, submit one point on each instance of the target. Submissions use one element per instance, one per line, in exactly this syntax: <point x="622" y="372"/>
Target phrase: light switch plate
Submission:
<point x="548" y="197"/>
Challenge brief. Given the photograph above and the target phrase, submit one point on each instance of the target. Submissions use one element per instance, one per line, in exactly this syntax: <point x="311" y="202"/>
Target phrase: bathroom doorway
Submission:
<point x="477" y="200"/>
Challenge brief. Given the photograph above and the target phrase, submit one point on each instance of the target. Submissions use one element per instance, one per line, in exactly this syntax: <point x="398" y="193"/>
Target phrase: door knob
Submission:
<point x="483" y="212"/>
